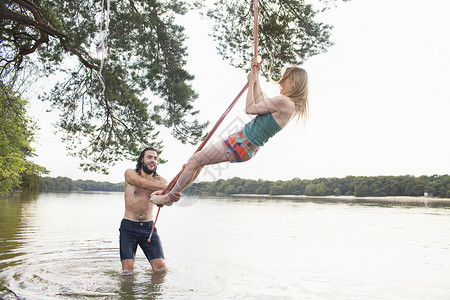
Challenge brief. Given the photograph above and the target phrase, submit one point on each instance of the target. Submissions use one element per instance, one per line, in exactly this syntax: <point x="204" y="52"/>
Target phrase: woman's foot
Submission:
<point x="161" y="200"/>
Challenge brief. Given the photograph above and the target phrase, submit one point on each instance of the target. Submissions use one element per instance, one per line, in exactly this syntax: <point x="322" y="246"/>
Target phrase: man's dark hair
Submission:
<point x="141" y="158"/>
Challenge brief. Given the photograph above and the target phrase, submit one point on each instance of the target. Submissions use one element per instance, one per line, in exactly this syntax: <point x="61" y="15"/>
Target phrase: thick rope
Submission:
<point x="208" y="137"/>
<point x="255" y="28"/>
<point x="213" y="130"/>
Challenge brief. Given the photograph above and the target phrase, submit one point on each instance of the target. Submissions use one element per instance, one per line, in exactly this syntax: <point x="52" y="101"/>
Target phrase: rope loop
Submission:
<point x="101" y="45"/>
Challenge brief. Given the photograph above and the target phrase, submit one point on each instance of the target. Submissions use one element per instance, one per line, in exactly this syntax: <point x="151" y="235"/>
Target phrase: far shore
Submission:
<point x="390" y="199"/>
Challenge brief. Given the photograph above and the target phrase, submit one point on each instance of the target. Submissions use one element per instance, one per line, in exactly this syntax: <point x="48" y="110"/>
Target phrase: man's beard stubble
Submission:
<point x="147" y="170"/>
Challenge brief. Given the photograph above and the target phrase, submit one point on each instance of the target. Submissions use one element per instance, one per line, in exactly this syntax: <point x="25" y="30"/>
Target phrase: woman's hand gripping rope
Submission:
<point x="255" y="65"/>
<point x="252" y="77"/>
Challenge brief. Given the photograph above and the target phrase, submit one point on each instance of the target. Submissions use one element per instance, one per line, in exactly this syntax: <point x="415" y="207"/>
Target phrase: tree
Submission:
<point x="30" y="182"/>
<point x="17" y="132"/>
<point x="250" y="186"/>
<point x="277" y="188"/>
<point x="110" y="120"/>
<point x="264" y="187"/>
<point x="287" y="32"/>
<point x="316" y="189"/>
<point x="416" y="186"/>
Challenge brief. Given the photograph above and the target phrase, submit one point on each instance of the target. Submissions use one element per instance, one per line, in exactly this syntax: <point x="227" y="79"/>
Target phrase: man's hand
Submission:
<point x="174" y="197"/>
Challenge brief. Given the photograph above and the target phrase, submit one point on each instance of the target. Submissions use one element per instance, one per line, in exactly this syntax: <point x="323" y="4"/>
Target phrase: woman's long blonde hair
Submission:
<point x="299" y="91"/>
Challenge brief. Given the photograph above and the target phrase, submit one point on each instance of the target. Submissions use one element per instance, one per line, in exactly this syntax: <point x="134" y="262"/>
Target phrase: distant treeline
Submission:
<point x="359" y="186"/>
<point x="50" y="184"/>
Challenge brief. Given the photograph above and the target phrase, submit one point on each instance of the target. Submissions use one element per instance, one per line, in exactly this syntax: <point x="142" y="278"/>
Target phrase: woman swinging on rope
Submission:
<point x="272" y="114"/>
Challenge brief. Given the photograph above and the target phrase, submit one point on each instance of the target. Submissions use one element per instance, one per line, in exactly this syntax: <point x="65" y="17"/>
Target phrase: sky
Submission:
<point x="379" y="102"/>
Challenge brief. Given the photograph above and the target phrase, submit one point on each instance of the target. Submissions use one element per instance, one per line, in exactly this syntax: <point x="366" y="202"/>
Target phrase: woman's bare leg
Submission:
<point x="213" y="154"/>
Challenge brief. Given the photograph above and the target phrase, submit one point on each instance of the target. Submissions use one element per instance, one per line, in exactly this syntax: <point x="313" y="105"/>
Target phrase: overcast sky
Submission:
<point x="379" y="101"/>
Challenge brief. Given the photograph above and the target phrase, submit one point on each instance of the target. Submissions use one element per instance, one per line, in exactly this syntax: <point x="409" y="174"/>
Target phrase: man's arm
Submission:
<point x="134" y="178"/>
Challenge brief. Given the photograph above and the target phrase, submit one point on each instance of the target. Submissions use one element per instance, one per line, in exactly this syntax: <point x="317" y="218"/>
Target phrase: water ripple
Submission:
<point x="219" y="249"/>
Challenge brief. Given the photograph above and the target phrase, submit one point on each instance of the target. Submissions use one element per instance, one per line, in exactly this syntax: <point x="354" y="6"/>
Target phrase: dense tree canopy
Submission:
<point x="359" y="186"/>
<point x="60" y="184"/>
<point x="17" y="132"/>
<point x="288" y="33"/>
<point x="145" y="59"/>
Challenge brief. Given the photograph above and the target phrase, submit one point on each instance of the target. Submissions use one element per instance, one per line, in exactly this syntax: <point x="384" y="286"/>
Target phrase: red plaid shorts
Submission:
<point x="239" y="149"/>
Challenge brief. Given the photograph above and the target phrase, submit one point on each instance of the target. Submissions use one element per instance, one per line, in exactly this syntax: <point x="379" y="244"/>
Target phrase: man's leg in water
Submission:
<point x="213" y="154"/>
<point x="128" y="245"/>
<point x="158" y="265"/>
<point x="128" y="265"/>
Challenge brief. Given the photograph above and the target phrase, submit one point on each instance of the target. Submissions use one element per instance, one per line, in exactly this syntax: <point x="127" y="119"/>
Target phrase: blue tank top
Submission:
<point x="259" y="130"/>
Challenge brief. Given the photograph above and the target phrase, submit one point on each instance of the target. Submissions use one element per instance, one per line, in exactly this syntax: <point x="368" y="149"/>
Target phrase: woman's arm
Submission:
<point x="250" y="100"/>
<point x="268" y="105"/>
<point x="256" y="103"/>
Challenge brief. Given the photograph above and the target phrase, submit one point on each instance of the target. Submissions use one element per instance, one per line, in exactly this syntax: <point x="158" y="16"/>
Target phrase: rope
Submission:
<point x="101" y="48"/>
<point x="208" y="137"/>
<point x="255" y="28"/>
<point x="213" y="130"/>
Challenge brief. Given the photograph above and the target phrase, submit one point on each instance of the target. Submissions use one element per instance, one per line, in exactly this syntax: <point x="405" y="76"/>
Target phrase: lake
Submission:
<point x="66" y="246"/>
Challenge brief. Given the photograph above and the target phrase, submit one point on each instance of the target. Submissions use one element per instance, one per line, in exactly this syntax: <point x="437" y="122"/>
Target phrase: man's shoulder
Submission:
<point x="131" y="175"/>
<point x="130" y="170"/>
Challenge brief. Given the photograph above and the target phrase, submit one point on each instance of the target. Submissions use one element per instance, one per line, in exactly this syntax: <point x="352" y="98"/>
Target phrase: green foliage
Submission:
<point x="316" y="189"/>
<point x="64" y="184"/>
<point x="439" y="186"/>
<point x="360" y="186"/>
<point x="145" y="52"/>
<point x="146" y="83"/>
<point x="288" y="33"/>
<point x="378" y="186"/>
<point x="30" y="182"/>
<point x="17" y="132"/>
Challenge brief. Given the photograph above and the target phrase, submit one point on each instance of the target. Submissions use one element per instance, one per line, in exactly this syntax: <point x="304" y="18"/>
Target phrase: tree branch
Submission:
<point x="45" y="29"/>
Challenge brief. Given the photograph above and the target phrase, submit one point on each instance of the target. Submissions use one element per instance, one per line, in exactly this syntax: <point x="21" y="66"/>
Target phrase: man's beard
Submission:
<point x="148" y="171"/>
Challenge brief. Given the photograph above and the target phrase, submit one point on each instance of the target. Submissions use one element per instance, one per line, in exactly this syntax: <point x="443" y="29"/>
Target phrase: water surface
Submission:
<point x="65" y="246"/>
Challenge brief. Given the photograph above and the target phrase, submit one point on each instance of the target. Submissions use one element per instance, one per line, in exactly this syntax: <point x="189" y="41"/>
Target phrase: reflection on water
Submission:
<point x="148" y="285"/>
<point x="12" y="223"/>
<point x="11" y="241"/>
<point x="365" y="201"/>
<point x="65" y="246"/>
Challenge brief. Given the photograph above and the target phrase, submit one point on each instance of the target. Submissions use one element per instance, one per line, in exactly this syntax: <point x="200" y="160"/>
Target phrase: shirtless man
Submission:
<point x="138" y="219"/>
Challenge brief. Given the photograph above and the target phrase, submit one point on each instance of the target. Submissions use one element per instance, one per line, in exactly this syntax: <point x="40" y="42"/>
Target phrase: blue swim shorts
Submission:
<point x="133" y="234"/>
